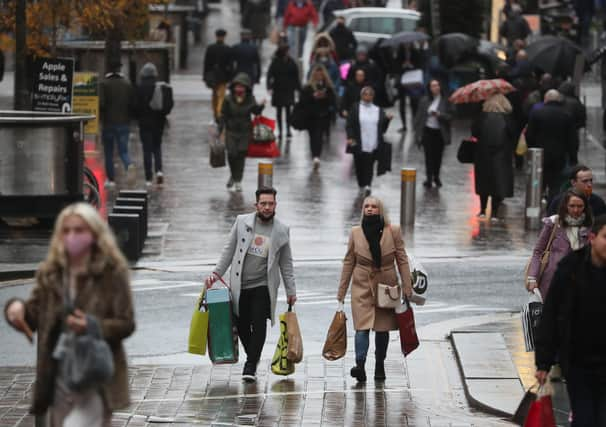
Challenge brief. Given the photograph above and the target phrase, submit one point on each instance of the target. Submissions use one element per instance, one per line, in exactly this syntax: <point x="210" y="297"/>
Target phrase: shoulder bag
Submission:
<point x="544" y="257"/>
<point x="467" y="151"/>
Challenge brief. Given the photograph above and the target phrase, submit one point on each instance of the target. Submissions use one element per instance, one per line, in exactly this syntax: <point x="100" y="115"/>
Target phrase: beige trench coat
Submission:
<point x="359" y="268"/>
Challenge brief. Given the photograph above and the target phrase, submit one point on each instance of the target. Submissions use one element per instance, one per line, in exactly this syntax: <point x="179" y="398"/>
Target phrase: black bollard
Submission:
<point x="126" y="228"/>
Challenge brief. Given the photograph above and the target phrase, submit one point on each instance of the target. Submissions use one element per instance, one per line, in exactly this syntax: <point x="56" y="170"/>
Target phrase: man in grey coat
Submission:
<point x="258" y="250"/>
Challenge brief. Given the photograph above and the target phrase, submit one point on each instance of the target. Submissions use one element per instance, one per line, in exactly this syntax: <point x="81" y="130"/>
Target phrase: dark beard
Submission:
<point x="266" y="219"/>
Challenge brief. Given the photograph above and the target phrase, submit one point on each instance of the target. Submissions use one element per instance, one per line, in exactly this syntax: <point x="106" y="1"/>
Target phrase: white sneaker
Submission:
<point x="131" y="174"/>
<point x="238" y="187"/>
<point x="109" y="184"/>
<point x="159" y="177"/>
<point x="148" y="183"/>
<point x="316" y="163"/>
<point x="367" y="190"/>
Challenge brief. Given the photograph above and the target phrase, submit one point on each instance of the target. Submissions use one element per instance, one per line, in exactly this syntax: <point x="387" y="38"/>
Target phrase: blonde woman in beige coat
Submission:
<point x="375" y="249"/>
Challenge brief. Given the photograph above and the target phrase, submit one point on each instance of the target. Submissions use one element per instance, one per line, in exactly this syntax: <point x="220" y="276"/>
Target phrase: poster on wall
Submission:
<point x="86" y="99"/>
<point x="52" y="84"/>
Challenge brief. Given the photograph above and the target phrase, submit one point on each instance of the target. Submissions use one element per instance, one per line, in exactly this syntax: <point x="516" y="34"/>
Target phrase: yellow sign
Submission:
<point x="86" y="99"/>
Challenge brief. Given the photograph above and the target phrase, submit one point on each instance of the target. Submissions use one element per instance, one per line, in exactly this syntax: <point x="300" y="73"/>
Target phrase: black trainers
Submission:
<point x="358" y="373"/>
<point x="248" y="374"/>
<point x="379" y="371"/>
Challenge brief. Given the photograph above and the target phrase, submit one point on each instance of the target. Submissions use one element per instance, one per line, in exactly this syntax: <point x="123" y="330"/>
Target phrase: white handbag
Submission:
<point x="388" y="296"/>
<point x="412" y="78"/>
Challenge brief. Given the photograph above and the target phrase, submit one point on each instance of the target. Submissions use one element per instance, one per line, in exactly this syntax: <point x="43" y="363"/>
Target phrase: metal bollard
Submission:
<point x="408" y="196"/>
<point x="534" y="188"/>
<point x="266" y="174"/>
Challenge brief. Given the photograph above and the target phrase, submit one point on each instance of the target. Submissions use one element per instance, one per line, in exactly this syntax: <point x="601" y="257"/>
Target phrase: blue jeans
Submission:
<point x="112" y="134"/>
<point x="587" y="393"/>
<point x="296" y="48"/>
<point x="361" y="345"/>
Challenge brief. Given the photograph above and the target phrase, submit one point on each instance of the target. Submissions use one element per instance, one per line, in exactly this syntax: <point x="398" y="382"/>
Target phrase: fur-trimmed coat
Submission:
<point x="106" y="296"/>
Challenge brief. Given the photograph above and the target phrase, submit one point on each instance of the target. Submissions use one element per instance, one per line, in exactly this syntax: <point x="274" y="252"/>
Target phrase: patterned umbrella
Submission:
<point x="480" y="90"/>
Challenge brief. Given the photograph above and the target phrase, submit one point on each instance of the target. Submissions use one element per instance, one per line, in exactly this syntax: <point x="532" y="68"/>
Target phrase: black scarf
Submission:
<point x="372" y="225"/>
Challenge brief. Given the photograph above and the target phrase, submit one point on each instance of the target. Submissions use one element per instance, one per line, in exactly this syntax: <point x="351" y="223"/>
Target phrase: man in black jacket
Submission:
<point x="344" y="39"/>
<point x="246" y="57"/>
<point x="218" y="70"/>
<point x="515" y="26"/>
<point x="581" y="179"/>
<point x="572" y="329"/>
<point x="552" y="129"/>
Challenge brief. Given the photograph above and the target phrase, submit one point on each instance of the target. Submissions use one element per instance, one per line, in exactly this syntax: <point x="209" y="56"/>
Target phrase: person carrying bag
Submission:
<point x="84" y="330"/>
<point x="374" y="251"/>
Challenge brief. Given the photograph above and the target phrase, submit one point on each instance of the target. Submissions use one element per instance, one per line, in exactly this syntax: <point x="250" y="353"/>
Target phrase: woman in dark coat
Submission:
<point x="495" y="131"/>
<point x="236" y="114"/>
<point x="257" y="18"/>
<point x="352" y="92"/>
<point x="282" y="82"/>
<point x="151" y="123"/>
<point x="366" y="124"/>
<point x="432" y="130"/>
<point x="318" y="98"/>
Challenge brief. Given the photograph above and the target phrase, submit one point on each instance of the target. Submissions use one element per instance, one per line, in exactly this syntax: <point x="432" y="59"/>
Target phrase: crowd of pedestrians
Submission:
<point x="345" y="80"/>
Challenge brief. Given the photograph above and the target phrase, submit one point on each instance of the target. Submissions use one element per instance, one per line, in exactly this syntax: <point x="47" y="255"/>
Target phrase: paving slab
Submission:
<point x="489" y="375"/>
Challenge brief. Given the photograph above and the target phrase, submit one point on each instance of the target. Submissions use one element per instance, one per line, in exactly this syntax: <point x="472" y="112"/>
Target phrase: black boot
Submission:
<point x="358" y="372"/>
<point x="379" y="370"/>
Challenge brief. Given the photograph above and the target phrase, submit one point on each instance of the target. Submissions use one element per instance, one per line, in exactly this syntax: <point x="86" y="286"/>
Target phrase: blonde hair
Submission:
<point x="497" y="103"/>
<point x="380" y="205"/>
<point x="327" y="80"/>
<point x="105" y="252"/>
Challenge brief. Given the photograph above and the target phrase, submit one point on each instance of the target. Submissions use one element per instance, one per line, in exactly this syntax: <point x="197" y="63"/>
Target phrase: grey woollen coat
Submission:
<point x="360" y="269"/>
<point x="278" y="262"/>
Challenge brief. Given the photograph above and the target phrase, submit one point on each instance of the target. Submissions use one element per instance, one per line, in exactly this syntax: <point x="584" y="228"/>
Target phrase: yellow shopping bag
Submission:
<point x="280" y="365"/>
<point x="198" y="328"/>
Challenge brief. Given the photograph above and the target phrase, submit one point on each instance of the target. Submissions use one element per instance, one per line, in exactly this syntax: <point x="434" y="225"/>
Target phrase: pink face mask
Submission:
<point x="77" y="243"/>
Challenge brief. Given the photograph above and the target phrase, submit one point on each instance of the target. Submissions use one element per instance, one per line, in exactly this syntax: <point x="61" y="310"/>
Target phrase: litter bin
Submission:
<point x="41" y="166"/>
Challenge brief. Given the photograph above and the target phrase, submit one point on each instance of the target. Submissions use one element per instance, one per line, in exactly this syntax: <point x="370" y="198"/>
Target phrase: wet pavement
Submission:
<point x="475" y="275"/>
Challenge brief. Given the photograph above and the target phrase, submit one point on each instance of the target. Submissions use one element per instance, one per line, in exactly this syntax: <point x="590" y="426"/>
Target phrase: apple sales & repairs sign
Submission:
<point x="52" y="84"/>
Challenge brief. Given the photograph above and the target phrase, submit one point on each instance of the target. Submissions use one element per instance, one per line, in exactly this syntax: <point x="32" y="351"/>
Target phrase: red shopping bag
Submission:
<point x="263" y="149"/>
<point x="408" y="333"/>
<point x="541" y="413"/>
<point x="266" y="147"/>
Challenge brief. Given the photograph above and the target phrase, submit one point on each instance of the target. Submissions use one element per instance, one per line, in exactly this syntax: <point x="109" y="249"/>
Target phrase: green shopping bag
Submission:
<point x="280" y="365"/>
<point x="222" y="332"/>
<point x="198" y="327"/>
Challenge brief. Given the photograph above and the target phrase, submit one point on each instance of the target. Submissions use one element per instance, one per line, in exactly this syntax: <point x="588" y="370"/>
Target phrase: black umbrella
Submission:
<point x="404" y="37"/>
<point x="453" y="47"/>
<point x="553" y="55"/>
